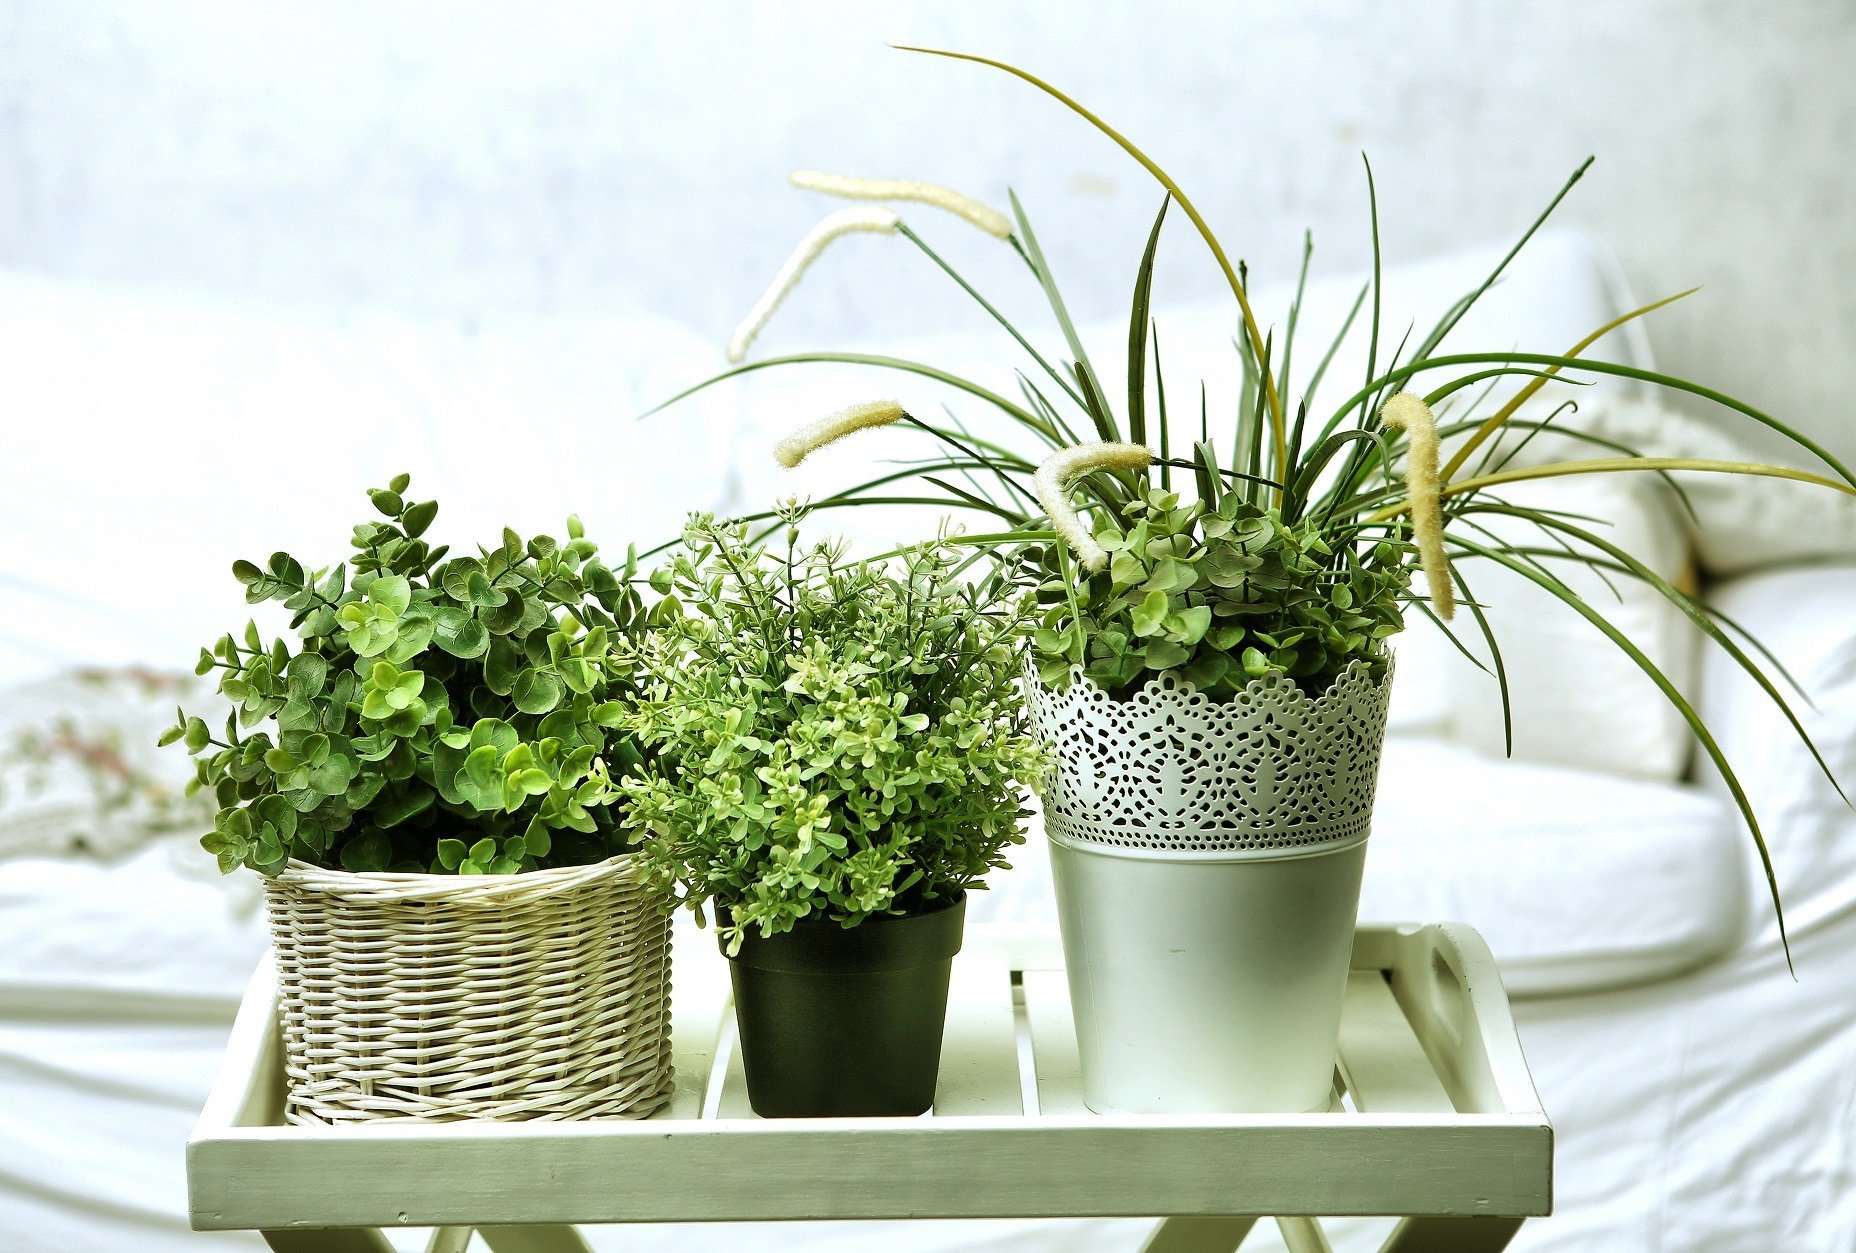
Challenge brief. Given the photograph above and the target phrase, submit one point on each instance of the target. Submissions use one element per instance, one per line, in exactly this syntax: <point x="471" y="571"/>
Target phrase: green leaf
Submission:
<point x="505" y="616"/>
<point x="533" y="782"/>
<point x="418" y="518"/>
<point x="370" y="853"/>
<point x="1164" y="654"/>
<point x="1206" y="669"/>
<point x="480" y="783"/>
<point x="1188" y="626"/>
<point x="404" y="807"/>
<point x="456" y="578"/>
<point x="451" y="853"/>
<point x="1150" y="614"/>
<point x="537" y="691"/>
<point x="481" y="594"/>
<point x="391" y="591"/>
<point x="388" y="502"/>
<point x="460" y="634"/>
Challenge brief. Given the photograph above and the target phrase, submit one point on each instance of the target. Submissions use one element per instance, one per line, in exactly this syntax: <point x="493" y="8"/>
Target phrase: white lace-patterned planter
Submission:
<point x="543" y="995"/>
<point x="1207" y="857"/>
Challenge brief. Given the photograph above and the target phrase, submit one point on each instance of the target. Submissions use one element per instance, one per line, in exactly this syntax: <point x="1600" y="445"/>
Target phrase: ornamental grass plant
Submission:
<point x="1281" y="538"/>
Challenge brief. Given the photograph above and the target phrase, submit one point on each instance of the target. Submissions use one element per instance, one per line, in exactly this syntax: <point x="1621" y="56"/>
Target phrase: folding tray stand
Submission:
<point x="1435" y="1119"/>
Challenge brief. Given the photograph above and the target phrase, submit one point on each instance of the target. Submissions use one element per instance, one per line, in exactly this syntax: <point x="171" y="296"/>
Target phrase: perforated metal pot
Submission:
<point x="1207" y="858"/>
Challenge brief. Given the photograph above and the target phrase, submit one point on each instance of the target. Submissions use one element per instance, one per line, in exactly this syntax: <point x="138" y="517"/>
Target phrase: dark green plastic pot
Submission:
<point x="843" y="1022"/>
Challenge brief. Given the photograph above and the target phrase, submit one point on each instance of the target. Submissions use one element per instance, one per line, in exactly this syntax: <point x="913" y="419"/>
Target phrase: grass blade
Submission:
<point x="1340" y="337"/>
<point x="1166" y="449"/>
<point x="1137" y="332"/>
<point x="1576" y="603"/>
<point x="1469" y="602"/>
<point x="1463" y="306"/>
<point x="1034" y="255"/>
<point x="1668" y="381"/>
<point x="1507" y="411"/>
<point x="1295" y="316"/>
<point x="1693" y="612"/>
<point x="903" y="230"/>
<point x="1166" y="181"/>
<point x="878" y="362"/>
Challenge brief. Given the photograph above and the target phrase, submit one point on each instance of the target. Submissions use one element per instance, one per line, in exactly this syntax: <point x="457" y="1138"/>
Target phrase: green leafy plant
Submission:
<point x="1336" y="504"/>
<point x="1221" y="596"/>
<point x="830" y="739"/>
<point x="434" y="713"/>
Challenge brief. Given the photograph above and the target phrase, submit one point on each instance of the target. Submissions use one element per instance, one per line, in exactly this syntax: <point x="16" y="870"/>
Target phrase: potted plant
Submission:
<point x="426" y="771"/>
<point x="1211" y="664"/>
<point x="838" y="756"/>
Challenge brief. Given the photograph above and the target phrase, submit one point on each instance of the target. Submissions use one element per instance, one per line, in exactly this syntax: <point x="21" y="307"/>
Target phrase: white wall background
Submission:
<point x="465" y="160"/>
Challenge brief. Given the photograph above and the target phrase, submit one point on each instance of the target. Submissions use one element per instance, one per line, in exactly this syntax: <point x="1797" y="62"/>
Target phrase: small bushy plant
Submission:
<point x="434" y="713"/>
<point x="830" y="739"/>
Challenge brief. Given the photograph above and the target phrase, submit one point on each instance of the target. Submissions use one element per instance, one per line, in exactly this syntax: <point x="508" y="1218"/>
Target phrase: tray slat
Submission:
<point x="1058" y="1068"/>
<point x="698" y="1004"/>
<point x="979" y="1050"/>
<point x="1381" y="1059"/>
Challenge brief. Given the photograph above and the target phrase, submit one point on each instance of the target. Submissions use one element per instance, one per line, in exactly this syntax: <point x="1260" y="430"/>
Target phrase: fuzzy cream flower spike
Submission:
<point x="836" y="226"/>
<point x="872" y="219"/>
<point x="1405" y="412"/>
<point x="807" y="440"/>
<point x="1051" y="484"/>
<point x="846" y="187"/>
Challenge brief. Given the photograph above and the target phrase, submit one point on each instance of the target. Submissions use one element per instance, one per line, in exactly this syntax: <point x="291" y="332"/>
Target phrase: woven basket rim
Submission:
<point x="378" y="885"/>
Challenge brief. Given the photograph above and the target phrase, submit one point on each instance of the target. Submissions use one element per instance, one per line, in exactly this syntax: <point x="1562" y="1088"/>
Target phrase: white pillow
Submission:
<point x="153" y="440"/>
<point x="1808" y="619"/>
<point x="1577" y="880"/>
<point x="1577" y="699"/>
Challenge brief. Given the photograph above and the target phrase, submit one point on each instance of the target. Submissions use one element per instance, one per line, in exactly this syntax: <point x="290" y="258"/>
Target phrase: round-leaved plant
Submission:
<point x="432" y="713"/>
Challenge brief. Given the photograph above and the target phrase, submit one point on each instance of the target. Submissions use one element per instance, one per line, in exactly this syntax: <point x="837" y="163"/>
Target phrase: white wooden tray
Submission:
<point x="1436" y="1118"/>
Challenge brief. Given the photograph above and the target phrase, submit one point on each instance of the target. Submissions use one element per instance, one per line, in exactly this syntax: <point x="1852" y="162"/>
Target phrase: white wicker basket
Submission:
<point x="543" y="995"/>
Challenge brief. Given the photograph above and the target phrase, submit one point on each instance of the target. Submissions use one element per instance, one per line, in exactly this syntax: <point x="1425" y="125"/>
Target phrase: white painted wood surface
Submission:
<point x="1441" y="1122"/>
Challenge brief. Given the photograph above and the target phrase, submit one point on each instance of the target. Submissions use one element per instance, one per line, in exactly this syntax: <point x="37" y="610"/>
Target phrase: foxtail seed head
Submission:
<point x="846" y="187"/>
<point x="843" y="222"/>
<point x="808" y="439"/>
<point x="1052" y="480"/>
<point x="1405" y="412"/>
